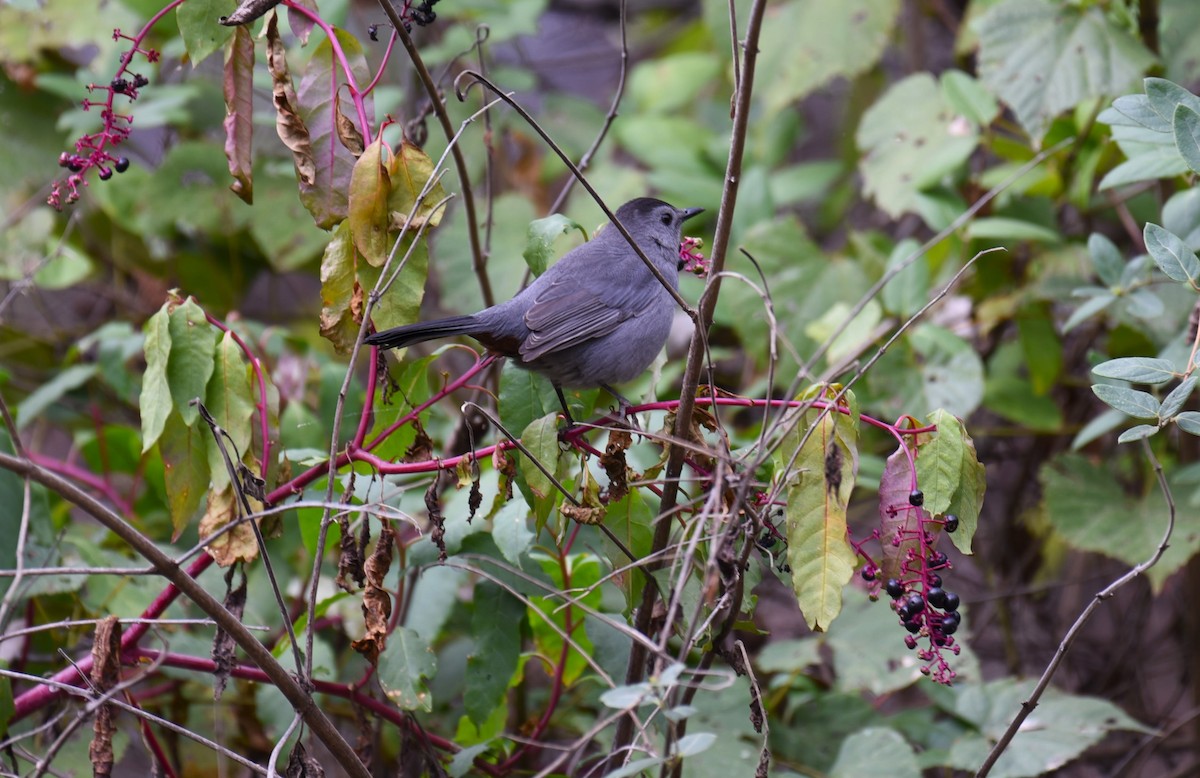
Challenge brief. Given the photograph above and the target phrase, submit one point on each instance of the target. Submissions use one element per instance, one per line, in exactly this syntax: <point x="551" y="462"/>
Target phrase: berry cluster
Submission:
<point x="690" y="258"/>
<point x="926" y="609"/>
<point x="421" y="14"/>
<point x="92" y="150"/>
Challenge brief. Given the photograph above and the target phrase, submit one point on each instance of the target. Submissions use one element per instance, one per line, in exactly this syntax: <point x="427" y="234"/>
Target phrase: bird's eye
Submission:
<point x="666" y="219"/>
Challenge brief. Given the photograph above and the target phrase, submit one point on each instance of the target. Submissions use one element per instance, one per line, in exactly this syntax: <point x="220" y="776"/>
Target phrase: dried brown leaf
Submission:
<point x="291" y="128"/>
<point x="106" y="673"/>
<point x="223" y="646"/>
<point x="377" y="603"/>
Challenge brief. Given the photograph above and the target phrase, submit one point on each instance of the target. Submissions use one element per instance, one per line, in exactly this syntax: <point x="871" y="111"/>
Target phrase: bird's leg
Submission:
<point x="623" y="406"/>
<point x="566" y="410"/>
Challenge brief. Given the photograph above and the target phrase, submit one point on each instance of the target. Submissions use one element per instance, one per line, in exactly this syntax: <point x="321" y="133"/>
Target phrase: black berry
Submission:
<point x="952" y="601"/>
<point x="936" y="597"/>
<point x="912" y="627"/>
<point x="894" y="588"/>
<point x="119" y="85"/>
<point x="916" y="498"/>
<point x="122" y="164"/>
<point x="915" y="603"/>
<point x="868" y="574"/>
<point x="935" y="579"/>
<point x="951" y="523"/>
<point x="105" y="174"/>
<point x="938" y="559"/>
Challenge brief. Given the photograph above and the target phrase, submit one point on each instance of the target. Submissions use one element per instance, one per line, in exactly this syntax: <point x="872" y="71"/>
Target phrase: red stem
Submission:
<point x="246" y="672"/>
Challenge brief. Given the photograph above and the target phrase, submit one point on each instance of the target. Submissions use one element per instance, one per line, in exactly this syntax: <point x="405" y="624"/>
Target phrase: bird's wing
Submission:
<point x="567" y="313"/>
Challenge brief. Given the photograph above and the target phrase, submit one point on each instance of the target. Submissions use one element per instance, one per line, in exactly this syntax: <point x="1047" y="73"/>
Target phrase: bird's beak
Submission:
<point x="690" y="212"/>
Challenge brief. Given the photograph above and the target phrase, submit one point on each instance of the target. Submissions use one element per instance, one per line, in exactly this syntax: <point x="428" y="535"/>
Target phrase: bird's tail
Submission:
<point x="399" y="337"/>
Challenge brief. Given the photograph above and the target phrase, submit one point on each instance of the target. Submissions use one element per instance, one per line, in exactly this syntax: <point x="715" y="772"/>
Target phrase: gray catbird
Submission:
<point x="597" y="317"/>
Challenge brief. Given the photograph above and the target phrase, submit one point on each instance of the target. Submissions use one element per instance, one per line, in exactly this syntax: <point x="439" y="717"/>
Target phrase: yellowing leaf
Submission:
<point x="368" y="215"/>
<point x="236" y="545"/>
<point x="825" y="467"/>
<point x="341" y="296"/>
<point x="185" y="469"/>
<point x="410" y="170"/>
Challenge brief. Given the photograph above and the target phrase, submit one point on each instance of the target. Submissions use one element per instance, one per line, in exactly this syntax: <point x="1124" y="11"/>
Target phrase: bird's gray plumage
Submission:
<point x="597" y="317"/>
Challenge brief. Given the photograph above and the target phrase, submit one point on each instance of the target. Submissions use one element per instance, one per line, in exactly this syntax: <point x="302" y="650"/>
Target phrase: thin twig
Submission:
<point x="1106" y="593"/>
<point x="460" y="163"/>
<point x="301" y="701"/>
<point x="696" y="353"/>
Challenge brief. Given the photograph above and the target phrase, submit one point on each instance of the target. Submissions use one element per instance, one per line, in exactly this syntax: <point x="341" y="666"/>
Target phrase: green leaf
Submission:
<point x="951" y="372"/>
<point x="1186" y="126"/>
<point x="1086" y="504"/>
<point x="185" y="469"/>
<point x="1148" y="166"/>
<point x="1003" y="228"/>
<point x="806" y="45"/>
<point x="911" y="139"/>
<point x="511" y="532"/>
<point x="403" y="665"/>
<point x="1041" y="346"/>
<point x="1165" y="98"/>
<point x="541" y="439"/>
<point x="7" y="707"/>
<point x="1139" y="109"/>
<point x="52" y="391"/>
<point x="1171" y="254"/>
<point x="495" y="628"/>
<point x="1139" y="405"/>
<point x="1087" y="310"/>
<point x="1177" y="397"/>
<point x="818" y="491"/>
<point x="788" y="656"/>
<point x="1137" y="432"/>
<point x="694" y="743"/>
<point x="909" y="289"/>
<point x="193" y="343"/>
<point x="939" y="462"/>
<point x="1043" y="58"/>
<point x="1181" y="215"/>
<point x="969" y="97"/>
<point x="1189" y="421"/>
<point x="155" y="401"/>
<point x="199" y="24"/>
<point x="1137" y="370"/>
<point x="668" y="83"/>
<point x="539" y="241"/>
<point x="583" y="571"/>
<point x="230" y="400"/>
<point x="463" y="761"/>
<point x="868" y="750"/>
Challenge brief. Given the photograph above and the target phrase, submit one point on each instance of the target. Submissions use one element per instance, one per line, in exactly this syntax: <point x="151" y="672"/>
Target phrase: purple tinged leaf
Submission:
<point x="239" y="113"/>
